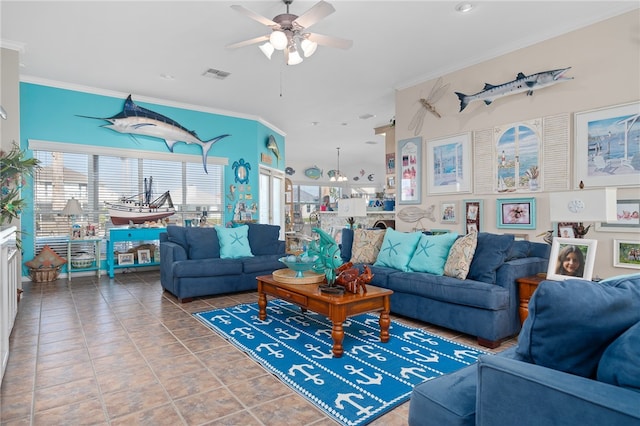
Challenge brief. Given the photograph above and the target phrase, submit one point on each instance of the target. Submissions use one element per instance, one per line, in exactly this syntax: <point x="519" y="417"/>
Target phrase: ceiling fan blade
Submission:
<point x="330" y="41"/>
<point x="253" y="15"/>
<point x="248" y="42"/>
<point x="319" y="11"/>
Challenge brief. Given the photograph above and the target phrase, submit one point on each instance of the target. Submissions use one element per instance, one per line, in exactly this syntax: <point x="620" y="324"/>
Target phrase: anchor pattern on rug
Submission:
<point x="369" y="379"/>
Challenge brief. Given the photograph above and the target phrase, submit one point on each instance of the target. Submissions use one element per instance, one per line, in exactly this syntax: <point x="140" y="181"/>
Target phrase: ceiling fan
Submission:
<point x="289" y="33"/>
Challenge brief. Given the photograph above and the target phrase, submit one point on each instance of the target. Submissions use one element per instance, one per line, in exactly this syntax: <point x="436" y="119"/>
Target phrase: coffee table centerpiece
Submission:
<point x="300" y="264"/>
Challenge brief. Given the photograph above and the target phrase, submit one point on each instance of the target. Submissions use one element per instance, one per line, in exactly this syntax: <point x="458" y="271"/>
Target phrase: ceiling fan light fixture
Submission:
<point x="308" y="47"/>
<point x="267" y="49"/>
<point x="294" y="57"/>
<point x="278" y="40"/>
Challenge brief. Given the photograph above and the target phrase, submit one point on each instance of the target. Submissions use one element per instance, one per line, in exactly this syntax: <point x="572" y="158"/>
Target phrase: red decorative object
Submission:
<point x="351" y="279"/>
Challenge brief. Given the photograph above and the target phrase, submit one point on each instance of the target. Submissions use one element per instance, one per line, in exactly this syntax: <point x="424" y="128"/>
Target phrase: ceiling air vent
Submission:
<point x="214" y="73"/>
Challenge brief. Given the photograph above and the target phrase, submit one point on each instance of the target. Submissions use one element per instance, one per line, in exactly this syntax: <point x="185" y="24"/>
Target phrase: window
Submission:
<point x="93" y="179"/>
<point x="518" y="157"/>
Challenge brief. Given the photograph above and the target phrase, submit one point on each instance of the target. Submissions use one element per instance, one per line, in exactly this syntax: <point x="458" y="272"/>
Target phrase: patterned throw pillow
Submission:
<point x="432" y="253"/>
<point x="460" y="256"/>
<point x="234" y="242"/>
<point x="397" y="249"/>
<point x="47" y="258"/>
<point x="366" y="245"/>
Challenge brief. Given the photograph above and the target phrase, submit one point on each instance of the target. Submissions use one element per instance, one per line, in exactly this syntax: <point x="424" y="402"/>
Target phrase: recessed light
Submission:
<point x="167" y="77"/>
<point x="344" y="124"/>
<point x="315" y="123"/>
<point x="371" y="142"/>
<point x="464" y="7"/>
<point x="366" y="116"/>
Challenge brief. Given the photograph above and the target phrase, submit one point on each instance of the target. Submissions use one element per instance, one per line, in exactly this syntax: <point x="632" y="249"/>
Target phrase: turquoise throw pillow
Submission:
<point x="432" y="252"/>
<point x="234" y="242"/>
<point x="397" y="249"/>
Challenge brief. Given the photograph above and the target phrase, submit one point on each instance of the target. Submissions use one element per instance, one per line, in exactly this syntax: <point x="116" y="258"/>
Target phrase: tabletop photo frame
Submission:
<point x="571" y="258"/>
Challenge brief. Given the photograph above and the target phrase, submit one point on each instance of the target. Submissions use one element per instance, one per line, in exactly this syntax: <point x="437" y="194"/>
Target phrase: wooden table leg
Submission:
<point x="262" y="305"/>
<point x="337" y="334"/>
<point x="385" y="321"/>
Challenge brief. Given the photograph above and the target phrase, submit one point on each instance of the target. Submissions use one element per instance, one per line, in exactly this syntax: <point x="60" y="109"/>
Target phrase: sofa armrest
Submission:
<point x="510" y="271"/>
<point x="169" y="254"/>
<point x="513" y="392"/>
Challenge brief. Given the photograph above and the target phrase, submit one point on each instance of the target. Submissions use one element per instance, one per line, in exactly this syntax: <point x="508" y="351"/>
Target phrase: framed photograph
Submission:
<point x="144" y="256"/>
<point x="391" y="163"/>
<point x="605" y="145"/>
<point x="516" y="213"/>
<point x="566" y="230"/>
<point x="410" y="171"/>
<point x="626" y="254"/>
<point x="391" y="181"/>
<point x="473" y="213"/>
<point x="125" y="259"/>
<point x="449" y="212"/>
<point x="439" y="231"/>
<point x="449" y="165"/>
<point x="628" y="213"/>
<point x="520" y="237"/>
<point x="571" y="258"/>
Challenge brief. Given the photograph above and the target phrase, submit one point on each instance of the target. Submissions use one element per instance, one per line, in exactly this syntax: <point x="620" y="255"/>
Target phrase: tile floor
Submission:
<point x="121" y="352"/>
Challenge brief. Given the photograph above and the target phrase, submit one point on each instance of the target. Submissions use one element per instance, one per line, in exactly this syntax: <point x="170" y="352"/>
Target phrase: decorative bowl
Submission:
<point x="80" y="261"/>
<point x="299" y="266"/>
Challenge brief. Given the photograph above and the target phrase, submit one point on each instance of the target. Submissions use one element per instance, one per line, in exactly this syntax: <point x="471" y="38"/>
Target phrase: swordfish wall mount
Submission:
<point x="136" y="120"/>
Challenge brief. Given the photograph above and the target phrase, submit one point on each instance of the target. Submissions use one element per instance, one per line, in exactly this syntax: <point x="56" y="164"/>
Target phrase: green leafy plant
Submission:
<point x="13" y="170"/>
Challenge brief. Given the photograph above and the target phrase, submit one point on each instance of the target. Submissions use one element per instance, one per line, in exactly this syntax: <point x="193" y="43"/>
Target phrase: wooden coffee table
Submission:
<point x="336" y="308"/>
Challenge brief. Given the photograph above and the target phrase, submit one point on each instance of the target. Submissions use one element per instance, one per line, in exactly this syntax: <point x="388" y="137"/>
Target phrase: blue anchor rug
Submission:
<point x="369" y="379"/>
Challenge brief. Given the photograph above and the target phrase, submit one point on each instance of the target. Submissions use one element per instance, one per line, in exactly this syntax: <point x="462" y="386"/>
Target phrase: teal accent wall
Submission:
<point x="52" y="114"/>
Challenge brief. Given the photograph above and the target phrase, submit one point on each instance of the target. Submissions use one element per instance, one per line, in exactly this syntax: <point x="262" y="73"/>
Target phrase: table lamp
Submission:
<point x="585" y="205"/>
<point x="352" y="208"/>
<point x="72" y="209"/>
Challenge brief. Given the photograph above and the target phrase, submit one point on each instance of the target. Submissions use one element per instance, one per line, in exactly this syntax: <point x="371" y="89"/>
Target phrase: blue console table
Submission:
<point x="133" y="235"/>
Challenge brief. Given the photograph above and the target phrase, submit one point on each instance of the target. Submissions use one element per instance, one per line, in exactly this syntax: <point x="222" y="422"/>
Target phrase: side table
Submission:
<point x="95" y="247"/>
<point x="526" y="287"/>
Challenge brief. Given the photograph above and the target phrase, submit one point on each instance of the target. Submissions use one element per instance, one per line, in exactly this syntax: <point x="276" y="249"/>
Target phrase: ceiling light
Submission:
<point x="338" y="176"/>
<point x="464" y="7"/>
<point x="308" y="47"/>
<point x="294" y="57"/>
<point x="278" y="39"/>
<point x="267" y="49"/>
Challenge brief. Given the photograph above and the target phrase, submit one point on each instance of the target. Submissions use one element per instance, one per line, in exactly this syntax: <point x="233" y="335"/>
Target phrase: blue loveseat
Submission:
<point x="191" y="264"/>
<point x="577" y="362"/>
<point x="485" y="304"/>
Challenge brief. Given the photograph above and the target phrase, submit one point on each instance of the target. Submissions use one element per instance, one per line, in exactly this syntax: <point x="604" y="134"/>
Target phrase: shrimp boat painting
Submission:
<point x="131" y="210"/>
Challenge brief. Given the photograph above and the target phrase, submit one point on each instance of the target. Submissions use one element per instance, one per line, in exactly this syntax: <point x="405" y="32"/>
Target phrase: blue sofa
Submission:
<point x="191" y="264"/>
<point x="576" y="363"/>
<point x="484" y="305"/>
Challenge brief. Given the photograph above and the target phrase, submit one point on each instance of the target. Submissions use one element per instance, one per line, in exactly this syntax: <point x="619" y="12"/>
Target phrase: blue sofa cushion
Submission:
<point x="346" y="242"/>
<point x="202" y="243"/>
<point x="571" y="322"/>
<point x="177" y="234"/>
<point x="264" y="263"/>
<point x="620" y="362"/>
<point x="207" y="268"/>
<point x="491" y="252"/>
<point x="397" y="249"/>
<point x="432" y="252"/>
<point x="234" y="242"/>
<point x="518" y="250"/>
<point x="263" y="238"/>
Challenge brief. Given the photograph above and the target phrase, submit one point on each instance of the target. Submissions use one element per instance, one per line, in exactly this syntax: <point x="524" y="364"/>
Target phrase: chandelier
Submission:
<point x="338" y="176"/>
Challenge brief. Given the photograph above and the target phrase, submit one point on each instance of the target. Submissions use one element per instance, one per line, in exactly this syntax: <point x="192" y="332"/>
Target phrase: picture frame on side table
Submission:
<point x="125" y="259"/>
<point x="566" y="230"/>
<point x="144" y="256"/>
<point x="516" y="213"/>
<point x="571" y="258"/>
<point x="410" y="171"/>
<point x="473" y="214"/>
<point x="628" y="213"/>
<point x="602" y="139"/>
<point x="626" y="254"/>
<point x="449" y="212"/>
<point x="449" y="165"/>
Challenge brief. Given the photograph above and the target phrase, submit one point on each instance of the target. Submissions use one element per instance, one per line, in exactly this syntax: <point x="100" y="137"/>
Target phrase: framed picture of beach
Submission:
<point x="607" y="146"/>
<point x="449" y="165"/>
<point x="409" y="171"/>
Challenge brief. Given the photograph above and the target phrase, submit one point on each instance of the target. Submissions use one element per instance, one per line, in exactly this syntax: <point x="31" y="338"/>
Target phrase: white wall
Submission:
<point x="605" y="61"/>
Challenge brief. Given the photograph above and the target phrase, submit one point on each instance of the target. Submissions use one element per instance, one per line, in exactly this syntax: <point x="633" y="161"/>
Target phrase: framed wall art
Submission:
<point x="449" y="165"/>
<point x="566" y="230"/>
<point x="606" y="146"/>
<point x="449" y="212"/>
<point x="516" y="213"/>
<point x="571" y="258"/>
<point x="628" y="218"/>
<point x="410" y="171"/>
<point x="626" y="254"/>
<point x="473" y="214"/>
<point x="391" y="163"/>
